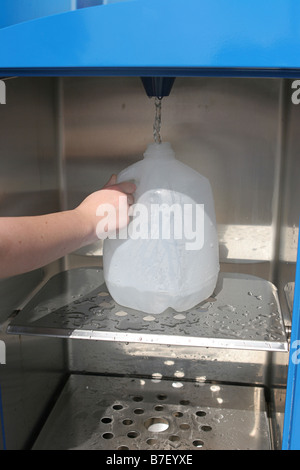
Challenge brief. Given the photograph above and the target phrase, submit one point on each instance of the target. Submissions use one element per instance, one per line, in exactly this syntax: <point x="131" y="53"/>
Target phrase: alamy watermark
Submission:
<point x="153" y="221"/>
<point x="2" y="92"/>
<point x="2" y="352"/>
<point x="296" y="94"/>
<point x="295" y="352"/>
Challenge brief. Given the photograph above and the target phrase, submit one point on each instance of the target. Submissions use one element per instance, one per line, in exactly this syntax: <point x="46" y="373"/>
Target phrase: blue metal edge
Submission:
<point x="150" y="72"/>
<point x="291" y="428"/>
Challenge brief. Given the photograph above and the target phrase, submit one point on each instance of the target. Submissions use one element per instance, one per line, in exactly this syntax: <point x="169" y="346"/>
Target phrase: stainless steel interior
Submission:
<point x="151" y="414"/>
<point x="61" y="138"/>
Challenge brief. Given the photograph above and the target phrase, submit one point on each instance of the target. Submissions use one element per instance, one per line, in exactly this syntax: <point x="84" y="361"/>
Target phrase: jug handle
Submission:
<point x="129" y="174"/>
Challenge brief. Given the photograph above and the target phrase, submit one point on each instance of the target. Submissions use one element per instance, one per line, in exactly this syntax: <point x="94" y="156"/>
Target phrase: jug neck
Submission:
<point x="159" y="151"/>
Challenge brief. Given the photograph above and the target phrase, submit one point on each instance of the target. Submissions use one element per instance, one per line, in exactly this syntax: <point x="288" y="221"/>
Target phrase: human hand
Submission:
<point x="106" y="210"/>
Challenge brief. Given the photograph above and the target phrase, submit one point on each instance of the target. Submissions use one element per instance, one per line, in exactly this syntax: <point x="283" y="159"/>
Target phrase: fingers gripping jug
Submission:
<point x="169" y="256"/>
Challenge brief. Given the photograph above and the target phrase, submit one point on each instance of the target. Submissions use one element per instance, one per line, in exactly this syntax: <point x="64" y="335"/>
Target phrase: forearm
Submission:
<point x="27" y="243"/>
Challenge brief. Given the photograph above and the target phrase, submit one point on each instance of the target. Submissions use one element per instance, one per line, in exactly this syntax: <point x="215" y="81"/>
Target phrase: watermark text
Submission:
<point x="2" y="352"/>
<point x="296" y="93"/>
<point x="153" y="222"/>
<point x="296" y="354"/>
<point x="2" y="92"/>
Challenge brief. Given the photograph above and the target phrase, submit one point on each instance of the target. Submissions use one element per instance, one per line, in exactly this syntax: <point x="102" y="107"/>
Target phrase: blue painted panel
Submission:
<point x="291" y="430"/>
<point x="88" y="3"/>
<point x="93" y="3"/>
<point x="17" y="11"/>
<point x="160" y="35"/>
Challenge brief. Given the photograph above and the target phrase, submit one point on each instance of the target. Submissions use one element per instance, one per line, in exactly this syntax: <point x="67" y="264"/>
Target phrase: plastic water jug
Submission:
<point x="170" y="255"/>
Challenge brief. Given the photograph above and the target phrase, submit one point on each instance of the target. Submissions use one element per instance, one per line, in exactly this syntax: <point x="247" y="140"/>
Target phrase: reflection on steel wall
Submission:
<point x="242" y="135"/>
<point x="28" y="163"/>
<point x="28" y="186"/>
<point x="291" y="438"/>
<point x="227" y="129"/>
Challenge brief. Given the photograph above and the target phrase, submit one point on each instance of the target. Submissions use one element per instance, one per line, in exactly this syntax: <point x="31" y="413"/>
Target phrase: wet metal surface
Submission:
<point x="243" y="313"/>
<point x="124" y="413"/>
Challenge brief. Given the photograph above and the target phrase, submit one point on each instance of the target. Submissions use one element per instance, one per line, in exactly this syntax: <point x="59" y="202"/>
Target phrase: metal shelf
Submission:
<point x="243" y="313"/>
<point x="118" y="413"/>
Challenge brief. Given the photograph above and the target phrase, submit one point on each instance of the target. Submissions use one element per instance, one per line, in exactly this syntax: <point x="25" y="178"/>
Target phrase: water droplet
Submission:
<point x="106" y="305"/>
<point x="103" y="294"/>
<point x="169" y="363"/>
<point x="179" y="373"/>
<point x="156" y="377"/>
<point x="121" y="313"/>
<point x="180" y="316"/>
<point x="177" y="384"/>
<point x="149" y="318"/>
<point x="227" y="308"/>
<point x="201" y="378"/>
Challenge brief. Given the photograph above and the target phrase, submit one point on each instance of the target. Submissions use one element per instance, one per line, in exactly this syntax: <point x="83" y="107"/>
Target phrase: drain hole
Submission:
<point x="177" y="414"/>
<point x="156" y="424"/>
<point x="132" y="434"/>
<point x="139" y="411"/>
<point x="159" y="408"/>
<point x="206" y="428"/>
<point x="106" y="420"/>
<point x="127" y="422"/>
<point x="200" y="413"/>
<point x="184" y="402"/>
<point x="162" y="397"/>
<point x="151" y="442"/>
<point x="117" y="407"/>
<point x="198" y="443"/>
<point x="123" y="448"/>
<point x="138" y="398"/>
<point x="174" y="438"/>
<point x="107" y="435"/>
<point x="184" y="426"/>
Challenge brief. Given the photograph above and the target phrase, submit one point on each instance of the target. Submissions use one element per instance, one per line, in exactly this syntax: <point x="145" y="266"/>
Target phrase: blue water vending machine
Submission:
<point x="83" y="83"/>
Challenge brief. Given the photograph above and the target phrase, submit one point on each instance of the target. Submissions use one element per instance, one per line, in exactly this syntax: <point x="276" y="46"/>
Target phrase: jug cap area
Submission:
<point x="162" y="150"/>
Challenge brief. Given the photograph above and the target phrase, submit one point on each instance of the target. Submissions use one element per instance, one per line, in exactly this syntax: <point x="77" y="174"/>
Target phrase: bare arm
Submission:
<point x="27" y="243"/>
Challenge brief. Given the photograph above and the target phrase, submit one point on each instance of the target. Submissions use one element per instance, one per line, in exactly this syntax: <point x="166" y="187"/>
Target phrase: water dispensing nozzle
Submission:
<point x="158" y="86"/>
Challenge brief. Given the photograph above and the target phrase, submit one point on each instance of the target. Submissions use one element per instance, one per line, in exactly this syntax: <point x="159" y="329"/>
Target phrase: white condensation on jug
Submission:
<point x="172" y="260"/>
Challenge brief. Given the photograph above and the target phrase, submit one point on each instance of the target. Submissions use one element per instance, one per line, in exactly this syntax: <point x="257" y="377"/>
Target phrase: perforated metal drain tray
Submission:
<point x="243" y="313"/>
<point x="95" y="412"/>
